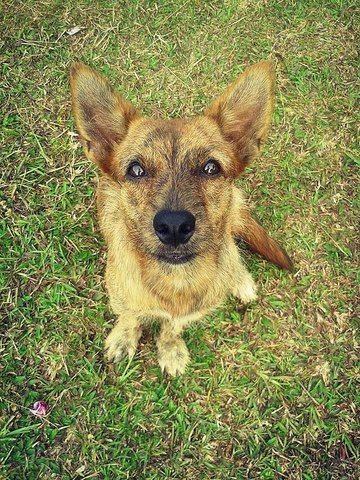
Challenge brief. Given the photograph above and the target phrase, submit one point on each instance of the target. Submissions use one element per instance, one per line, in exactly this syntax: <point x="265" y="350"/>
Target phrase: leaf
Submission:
<point x="74" y="30"/>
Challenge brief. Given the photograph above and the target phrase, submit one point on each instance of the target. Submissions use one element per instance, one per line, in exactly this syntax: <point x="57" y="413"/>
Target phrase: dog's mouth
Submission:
<point x="175" y="258"/>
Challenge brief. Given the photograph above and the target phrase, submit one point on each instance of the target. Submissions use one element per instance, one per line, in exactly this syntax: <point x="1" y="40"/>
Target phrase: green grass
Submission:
<point x="271" y="392"/>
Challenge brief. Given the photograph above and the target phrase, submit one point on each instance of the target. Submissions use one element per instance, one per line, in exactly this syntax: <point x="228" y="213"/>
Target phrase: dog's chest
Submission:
<point x="148" y="289"/>
<point x="150" y="292"/>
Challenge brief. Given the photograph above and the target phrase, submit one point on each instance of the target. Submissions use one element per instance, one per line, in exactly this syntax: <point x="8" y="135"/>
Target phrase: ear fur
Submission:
<point x="243" y="111"/>
<point x="102" y="116"/>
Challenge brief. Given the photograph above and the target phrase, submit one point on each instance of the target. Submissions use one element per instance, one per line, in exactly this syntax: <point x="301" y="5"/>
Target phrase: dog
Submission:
<point x="169" y="208"/>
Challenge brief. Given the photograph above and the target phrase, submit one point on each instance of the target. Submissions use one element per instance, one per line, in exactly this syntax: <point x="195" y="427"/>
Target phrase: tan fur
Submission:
<point x="140" y="286"/>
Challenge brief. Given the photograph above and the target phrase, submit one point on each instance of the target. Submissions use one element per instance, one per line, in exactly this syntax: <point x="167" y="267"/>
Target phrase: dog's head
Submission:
<point x="175" y="176"/>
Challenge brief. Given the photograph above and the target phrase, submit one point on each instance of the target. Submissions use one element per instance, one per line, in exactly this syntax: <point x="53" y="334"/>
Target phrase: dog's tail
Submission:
<point x="260" y="242"/>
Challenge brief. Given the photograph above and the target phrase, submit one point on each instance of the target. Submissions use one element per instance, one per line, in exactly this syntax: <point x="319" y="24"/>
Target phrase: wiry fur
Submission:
<point x="140" y="285"/>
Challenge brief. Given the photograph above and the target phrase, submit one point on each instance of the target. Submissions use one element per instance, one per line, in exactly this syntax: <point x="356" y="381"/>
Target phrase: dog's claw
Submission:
<point x="119" y="344"/>
<point x="114" y="353"/>
<point x="173" y="357"/>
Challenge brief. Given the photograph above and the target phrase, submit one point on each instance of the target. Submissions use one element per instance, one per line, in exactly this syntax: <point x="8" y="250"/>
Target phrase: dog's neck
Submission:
<point x="184" y="289"/>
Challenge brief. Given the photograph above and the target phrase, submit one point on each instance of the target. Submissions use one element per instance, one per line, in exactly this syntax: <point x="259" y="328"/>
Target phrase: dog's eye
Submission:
<point x="211" y="168"/>
<point x="135" y="170"/>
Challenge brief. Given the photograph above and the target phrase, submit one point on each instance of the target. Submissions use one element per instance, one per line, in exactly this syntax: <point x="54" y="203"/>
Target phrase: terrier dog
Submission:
<point x="169" y="208"/>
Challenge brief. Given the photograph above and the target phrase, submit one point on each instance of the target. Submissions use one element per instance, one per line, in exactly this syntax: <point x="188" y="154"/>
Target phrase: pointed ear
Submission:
<point x="102" y="116"/>
<point x="243" y="112"/>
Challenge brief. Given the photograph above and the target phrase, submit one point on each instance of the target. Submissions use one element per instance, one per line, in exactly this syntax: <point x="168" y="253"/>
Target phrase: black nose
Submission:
<point x="174" y="227"/>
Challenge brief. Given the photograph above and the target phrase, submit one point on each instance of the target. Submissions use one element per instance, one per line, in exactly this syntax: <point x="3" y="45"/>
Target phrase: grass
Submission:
<point x="272" y="392"/>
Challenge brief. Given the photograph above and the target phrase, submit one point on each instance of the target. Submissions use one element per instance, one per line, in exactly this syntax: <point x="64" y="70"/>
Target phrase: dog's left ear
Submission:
<point x="243" y="112"/>
<point x="102" y="115"/>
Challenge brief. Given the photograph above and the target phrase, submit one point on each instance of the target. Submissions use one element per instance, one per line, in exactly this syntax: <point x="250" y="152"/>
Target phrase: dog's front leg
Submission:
<point x="124" y="337"/>
<point x="173" y="355"/>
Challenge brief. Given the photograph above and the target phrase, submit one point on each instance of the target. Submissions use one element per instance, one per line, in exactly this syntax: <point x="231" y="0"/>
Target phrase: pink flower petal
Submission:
<point x="40" y="408"/>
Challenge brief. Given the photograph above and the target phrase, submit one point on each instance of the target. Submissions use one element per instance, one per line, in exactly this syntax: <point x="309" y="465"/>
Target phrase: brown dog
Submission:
<point x="169" y="208"/>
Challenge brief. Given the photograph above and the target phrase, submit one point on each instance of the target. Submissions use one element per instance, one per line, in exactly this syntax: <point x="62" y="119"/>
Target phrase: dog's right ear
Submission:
<point x="102" y="116"/>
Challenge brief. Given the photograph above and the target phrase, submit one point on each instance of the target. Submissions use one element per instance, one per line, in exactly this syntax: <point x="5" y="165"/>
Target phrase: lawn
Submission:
<point x="272" y="391"/>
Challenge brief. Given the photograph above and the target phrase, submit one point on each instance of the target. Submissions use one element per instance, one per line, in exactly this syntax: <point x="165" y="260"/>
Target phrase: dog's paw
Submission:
<point x="246" y="291"/>
<point x="173" y="356"/>
<point x="121" y="342"/>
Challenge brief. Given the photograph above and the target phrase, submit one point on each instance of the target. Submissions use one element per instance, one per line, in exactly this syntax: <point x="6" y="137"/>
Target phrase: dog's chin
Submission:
<point x="175" y="258"/>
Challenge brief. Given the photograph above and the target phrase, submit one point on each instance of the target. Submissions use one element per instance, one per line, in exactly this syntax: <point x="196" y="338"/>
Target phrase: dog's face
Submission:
<point x="176" y="176"/>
